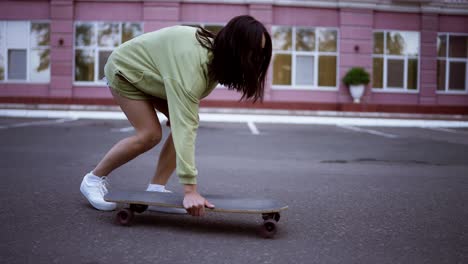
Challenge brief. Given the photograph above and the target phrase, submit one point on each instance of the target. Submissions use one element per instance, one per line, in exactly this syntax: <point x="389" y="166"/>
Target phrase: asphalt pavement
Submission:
<point x="355" y="195"/>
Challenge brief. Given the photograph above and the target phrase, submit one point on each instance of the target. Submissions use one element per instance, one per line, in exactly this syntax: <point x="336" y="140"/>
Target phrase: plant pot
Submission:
<point x="356" y="92"/>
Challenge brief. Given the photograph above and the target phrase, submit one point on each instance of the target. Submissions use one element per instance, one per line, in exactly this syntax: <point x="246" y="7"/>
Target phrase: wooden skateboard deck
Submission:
<point x="139" y="201"/>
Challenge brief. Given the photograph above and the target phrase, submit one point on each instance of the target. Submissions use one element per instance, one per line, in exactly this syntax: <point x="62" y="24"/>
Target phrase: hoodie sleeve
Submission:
<point x="183" y="110"/>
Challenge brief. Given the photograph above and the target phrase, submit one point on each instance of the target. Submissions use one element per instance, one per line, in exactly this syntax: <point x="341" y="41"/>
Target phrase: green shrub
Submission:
<point x="356" y="76"/>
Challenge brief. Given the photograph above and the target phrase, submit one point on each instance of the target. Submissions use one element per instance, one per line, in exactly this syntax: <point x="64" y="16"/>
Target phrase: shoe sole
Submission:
<point x="95" y="205"/>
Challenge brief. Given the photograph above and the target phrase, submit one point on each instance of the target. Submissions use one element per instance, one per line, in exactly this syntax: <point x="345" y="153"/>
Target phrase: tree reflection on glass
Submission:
<point x="2" y="68"/>
<point x="305" y="39"/>
<point x="84" y="34"/>
<point x="327" y="40"/>
<point x="108" y="34"/>
<point x="84" y="65"/>
<point x="130" y="30"/>
<point x="282" y="38"/>
<point x="40" y="37"/>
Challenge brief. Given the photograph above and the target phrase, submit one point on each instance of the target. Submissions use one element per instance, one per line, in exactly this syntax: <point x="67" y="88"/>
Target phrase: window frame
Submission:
<point x="29" y="49"/>
<point x="447" y="60"/>
<point x="97" y="49"/>
<point x="405" y="58"/>
<point x="316" y="53"/>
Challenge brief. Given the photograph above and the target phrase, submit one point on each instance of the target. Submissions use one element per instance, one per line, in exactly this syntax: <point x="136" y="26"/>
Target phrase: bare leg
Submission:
<point x="142" y="116"/>
<point x="166" y="163"/>
<point x="167" y="157"/>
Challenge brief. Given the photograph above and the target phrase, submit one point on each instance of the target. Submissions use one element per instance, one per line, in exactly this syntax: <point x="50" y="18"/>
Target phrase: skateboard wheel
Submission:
<point x="268" y="229"/>
<point x="125" y="217"/>
<point x="274" y="216"/>
<point x="139" y="208"/>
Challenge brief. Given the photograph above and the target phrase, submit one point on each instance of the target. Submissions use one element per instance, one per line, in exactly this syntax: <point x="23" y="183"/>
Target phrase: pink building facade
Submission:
<point x="415" y="51"/>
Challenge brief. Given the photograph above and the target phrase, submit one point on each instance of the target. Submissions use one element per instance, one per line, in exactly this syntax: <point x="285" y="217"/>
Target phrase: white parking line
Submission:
<point x="38" y="123"/>
<point x="443" y="129"/>
<point x="123" y="130"/>
<point x="253" y="128"/>
<point x="370" y="131"/>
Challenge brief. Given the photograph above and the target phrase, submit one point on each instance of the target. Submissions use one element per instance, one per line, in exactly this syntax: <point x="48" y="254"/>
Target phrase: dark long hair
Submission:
<point x="239" y="62"/>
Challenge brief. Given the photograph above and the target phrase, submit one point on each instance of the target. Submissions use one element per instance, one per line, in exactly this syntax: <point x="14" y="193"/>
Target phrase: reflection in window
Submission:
<point x="108" y="34"/>
<point x="84" y="34"/>
<point x="282" y="38"/>
<point x="94" y="42"/>
<point x="40" y="65"/>
<point x="327" y="71"/>
<point x="305" y="40"/>
<point x="282" y="69"/>
<point x="84" y="65"/>
<point x="327" y="40"/>
<point x="452" y="62"/>
<point x="131" y="30"/>
<point x="395" y="60"/>
<point x="304" y="57"/>
<point x="25" y="51"/>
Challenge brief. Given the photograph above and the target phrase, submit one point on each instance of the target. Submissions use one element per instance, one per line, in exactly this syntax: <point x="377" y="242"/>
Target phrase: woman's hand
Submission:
<point x="194" y="203"/>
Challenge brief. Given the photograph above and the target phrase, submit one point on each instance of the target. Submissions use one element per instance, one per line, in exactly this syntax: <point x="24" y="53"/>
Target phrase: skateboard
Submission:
<point x="138" y="202"/>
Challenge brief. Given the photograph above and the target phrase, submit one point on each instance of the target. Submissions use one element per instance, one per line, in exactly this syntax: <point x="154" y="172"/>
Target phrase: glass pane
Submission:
<point x="304" y="70"/>
<point x="2" y="56"/>
<point x="327" y="39"/>
<point x="17" y="64"/>
<point x="17" y="34"/>
<point x="108" y="34"/>
<point x="412" y="81"/>
<point x="103" y="56"/>
<point x="305" y="39"/>
<point x="282" y="38"/>
<point x="40" y="34"/>
<point x="327" y="71"/>
<point x="458" y="47"/>
<point x="457" y="76"/>
<point x="395" y="73"/>
<point x="282" y="69"/>
<point x="378" y="42"/>
<point x="40" y="65"/>
<point x="84" y="65"/>
<point x="130" y="30"/>
<point x="442" y="45"/>
<point x="2" y="67"/>
<point x="441" y="75"/>
<point x="403" y="43"/>
<point x="377" y="72"/>
<point x="214" y="28"/>
<point x="84" y="34"/>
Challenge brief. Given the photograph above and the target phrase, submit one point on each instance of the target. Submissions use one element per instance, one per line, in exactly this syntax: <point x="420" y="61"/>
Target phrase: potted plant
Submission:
<point x="356" y="78"/>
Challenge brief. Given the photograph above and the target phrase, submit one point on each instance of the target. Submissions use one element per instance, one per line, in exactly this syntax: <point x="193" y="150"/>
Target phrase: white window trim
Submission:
<point x="28" y="54"/>
<point x="96" y="49"/>
<point x="405" y="59"/>
<point x="316" y="53"/>
<point x="447" y="60"/>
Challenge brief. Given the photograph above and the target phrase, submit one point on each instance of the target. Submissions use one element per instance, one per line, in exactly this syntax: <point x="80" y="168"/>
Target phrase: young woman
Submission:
<point x="171" y="70"/>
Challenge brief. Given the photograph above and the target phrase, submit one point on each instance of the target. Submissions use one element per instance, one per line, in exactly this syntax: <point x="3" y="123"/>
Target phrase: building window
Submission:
<point x="395" y="61"/>
<point x="25" y="51"/>
<point x="304" y="58"/>
<point x="94" y="42"/>
<point x="452" y="60"/>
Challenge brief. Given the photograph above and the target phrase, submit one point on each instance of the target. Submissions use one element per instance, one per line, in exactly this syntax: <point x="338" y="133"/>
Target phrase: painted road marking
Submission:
<point x="123" y="130"/>
<point x="253" y="128"/>
<point x="243" y="118"/>
<point x="370" y="131"/>
<point x="444" y="130"/>
<point x="38" y="123"/>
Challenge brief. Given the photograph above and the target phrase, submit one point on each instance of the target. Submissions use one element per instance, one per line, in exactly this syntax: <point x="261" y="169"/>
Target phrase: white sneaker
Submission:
<point x="162" y="209"/>
<point x="94" y="188"/>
